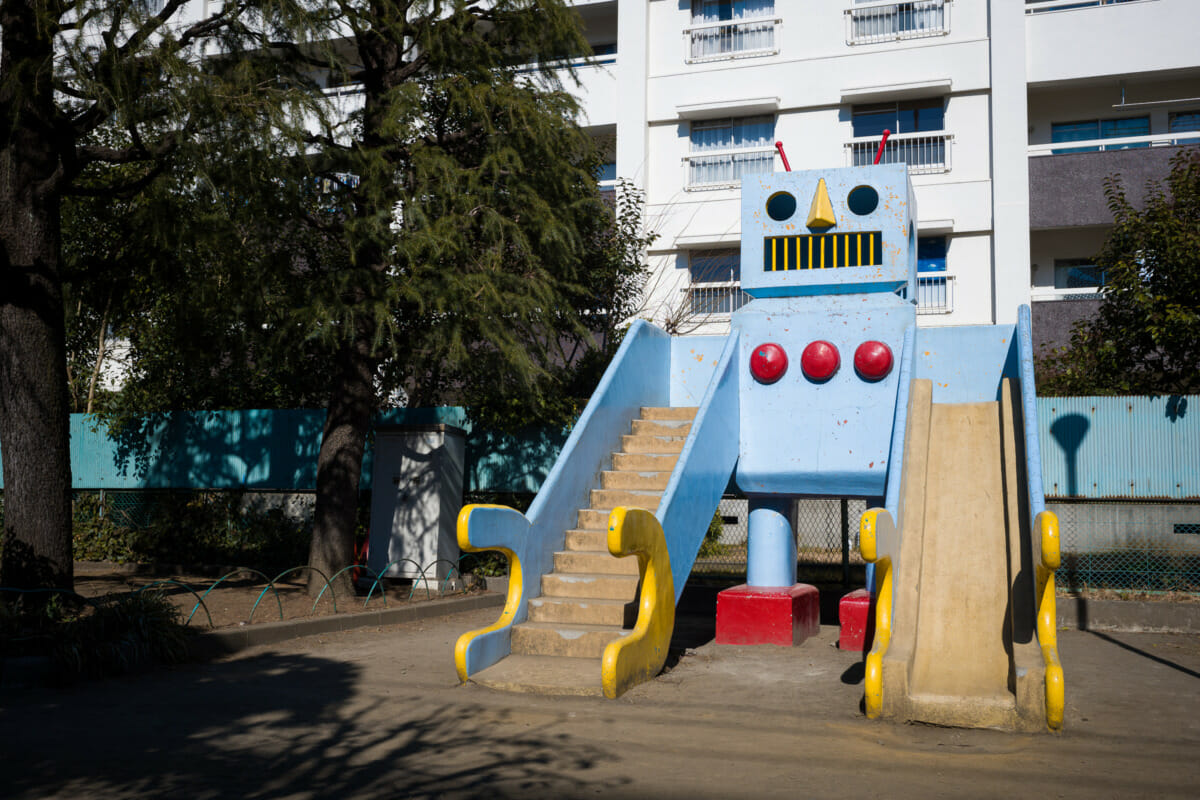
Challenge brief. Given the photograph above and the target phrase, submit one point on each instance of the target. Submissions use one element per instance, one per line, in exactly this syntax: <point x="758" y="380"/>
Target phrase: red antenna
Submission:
<point x="779" y="147"/>
<point x="882" y="142"/>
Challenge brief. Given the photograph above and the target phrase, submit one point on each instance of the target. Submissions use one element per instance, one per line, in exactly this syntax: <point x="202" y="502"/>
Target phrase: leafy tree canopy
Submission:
<point x="1145" y="338"/>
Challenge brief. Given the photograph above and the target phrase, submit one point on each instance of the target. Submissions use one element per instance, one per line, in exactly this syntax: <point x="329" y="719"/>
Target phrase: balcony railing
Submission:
<point x="1067" y="5"/>
<point x="720" y="299"/>
<point x="1120" y="143"/>
<point x="924" y="153"/>
<point x="724" y="170"/>
<point x="715" y="41"/>
<point x="889" y="22"/>
<point x="935" y="294"/>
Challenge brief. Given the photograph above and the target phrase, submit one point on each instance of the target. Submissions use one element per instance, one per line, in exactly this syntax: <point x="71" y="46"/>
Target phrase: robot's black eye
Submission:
<point x="862" y="200"/>
<point x="781" y="206"/>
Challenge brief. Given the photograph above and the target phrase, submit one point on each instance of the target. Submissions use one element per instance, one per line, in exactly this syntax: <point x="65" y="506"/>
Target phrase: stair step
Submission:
<point x="564" y="640"/>
<point x="593" y="611"/>
<point x="644" y="462"/>
<point x="543" y="675"/>
<point x="590" y="585"/>
<point x="578" y="539"/>
<point x="652" y="444"/>
<point x="598" y="562"/>
<point x="656" y="427"/>
<point x="611" y="498"/>
<point x="639" y="481"/>
<point x="685" y="412"/>
<point x="593" y="519"/>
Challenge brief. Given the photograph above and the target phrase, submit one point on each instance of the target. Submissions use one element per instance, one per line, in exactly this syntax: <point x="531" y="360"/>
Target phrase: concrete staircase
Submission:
<point x="590" y="598"/>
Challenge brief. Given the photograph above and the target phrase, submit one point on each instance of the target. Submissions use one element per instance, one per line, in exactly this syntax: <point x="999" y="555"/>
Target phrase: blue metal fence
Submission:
<point x="1099" y="448"/>
<point x="277" y="451"/>
<point x="1093" y="448"/>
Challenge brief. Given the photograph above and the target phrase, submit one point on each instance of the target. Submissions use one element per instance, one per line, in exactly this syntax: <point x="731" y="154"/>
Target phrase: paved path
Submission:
<point x="378" y="713"/>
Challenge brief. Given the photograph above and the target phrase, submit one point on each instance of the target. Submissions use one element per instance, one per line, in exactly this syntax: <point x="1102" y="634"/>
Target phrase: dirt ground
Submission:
<point x="379" y="712"/>
<point x="210" y="601"/>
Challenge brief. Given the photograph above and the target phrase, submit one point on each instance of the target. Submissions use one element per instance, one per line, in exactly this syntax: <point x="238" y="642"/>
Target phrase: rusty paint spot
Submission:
<point x="871" y="465"/>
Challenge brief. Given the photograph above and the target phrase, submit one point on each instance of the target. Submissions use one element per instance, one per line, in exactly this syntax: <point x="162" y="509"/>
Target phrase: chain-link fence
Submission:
<point x="259" y="529"/>
<point x="1126" y="546"/>
<point x="826" y="538"/>
<point x="1135" y="547"/>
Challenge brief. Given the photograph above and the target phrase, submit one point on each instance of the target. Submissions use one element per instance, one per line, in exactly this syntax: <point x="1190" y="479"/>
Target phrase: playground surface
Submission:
<point x="379" y="712"/>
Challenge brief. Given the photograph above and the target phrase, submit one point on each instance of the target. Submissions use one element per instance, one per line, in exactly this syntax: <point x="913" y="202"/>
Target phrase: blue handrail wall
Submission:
<point x="1033" y="458"/>
<point x="707" y="460"/>
<point x="637" y="376"/>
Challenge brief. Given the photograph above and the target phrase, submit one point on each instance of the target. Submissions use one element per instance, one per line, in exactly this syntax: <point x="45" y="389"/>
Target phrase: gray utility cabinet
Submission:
<point x="416" y="494"/>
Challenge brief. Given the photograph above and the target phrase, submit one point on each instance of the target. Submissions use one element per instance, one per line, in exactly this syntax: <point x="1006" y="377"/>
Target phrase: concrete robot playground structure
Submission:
<point x="824" y="387"/>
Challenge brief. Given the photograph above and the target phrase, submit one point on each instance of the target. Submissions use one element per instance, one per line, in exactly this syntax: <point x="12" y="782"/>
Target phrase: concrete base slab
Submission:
<point x="543" y="675"/>
<point x="785" y="615"/>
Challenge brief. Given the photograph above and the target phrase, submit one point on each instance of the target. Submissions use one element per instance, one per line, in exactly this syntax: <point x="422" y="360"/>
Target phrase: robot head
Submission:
<point x="831" y="231"/>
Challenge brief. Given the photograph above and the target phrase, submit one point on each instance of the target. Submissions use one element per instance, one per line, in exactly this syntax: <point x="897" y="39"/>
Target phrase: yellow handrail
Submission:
<point x="1046" y="525"/>
<point x="512" y="602"/>
<point x="638" y="657"/>
<point x="869" y="544"/>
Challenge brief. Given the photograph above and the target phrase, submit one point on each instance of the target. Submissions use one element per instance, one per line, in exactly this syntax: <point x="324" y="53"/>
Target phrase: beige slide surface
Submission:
<point x="960" y="641"/>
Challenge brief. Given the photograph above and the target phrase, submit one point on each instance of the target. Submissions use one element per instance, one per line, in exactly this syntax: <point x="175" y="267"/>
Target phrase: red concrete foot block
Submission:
<point x="857" y="621"/>
<point x="765" y="615"/>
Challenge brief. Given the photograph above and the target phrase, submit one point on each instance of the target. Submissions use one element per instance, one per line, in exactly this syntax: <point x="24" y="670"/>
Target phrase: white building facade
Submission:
<point x="981" y="98"/>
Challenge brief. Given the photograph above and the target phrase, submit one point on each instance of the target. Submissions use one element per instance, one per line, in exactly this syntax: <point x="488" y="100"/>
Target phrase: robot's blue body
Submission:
<point x="829" y="257"/>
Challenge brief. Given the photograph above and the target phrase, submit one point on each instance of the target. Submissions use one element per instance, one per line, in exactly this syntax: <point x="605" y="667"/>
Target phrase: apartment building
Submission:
<point x="1009" y="115"/>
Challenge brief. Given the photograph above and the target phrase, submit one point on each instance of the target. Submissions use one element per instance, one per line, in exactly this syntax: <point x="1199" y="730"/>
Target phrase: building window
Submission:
<point x="731" y="29"/>
<point x="885" y="22"/>
<point x="715" y="287"/>
<point x="931" y="254"/>
<point x="908" y="116"/>
<point x="1181" y="121"/>
<point x="1096" y="129"/>
<point x="724" y="150"/>
<point x="917" y="136"/>
<point x="1077" y="273"/>
<point x="935" y="289"/>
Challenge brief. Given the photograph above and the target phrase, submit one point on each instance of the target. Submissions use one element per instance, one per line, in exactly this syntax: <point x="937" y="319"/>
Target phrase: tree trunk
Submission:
<point x="101" y="346"/>
<point x="339" y="464"/>
<point x="34" y="408"/>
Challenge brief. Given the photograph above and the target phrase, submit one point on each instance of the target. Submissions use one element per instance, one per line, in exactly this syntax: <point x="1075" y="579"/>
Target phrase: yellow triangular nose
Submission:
<point x="820" y="215"/>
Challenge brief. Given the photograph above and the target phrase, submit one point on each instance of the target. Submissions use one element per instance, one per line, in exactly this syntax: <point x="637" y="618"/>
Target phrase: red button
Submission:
<point x="820" y="360"/>
<point x="768" y="362"/>
<point x="873" y="360"/>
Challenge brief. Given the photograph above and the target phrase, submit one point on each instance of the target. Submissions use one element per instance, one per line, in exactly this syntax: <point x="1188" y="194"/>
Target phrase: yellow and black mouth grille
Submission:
<point x="822" y="251"/>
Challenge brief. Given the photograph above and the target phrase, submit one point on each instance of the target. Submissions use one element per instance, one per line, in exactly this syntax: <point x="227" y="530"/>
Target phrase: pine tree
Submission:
<point x="464" y="192"/>
<point x="96" y="97"/>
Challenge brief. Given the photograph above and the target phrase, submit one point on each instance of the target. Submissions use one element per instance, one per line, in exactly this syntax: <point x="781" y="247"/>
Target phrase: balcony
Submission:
<point x="935" y="294"/>
<point x="724" y="170"/>
<point x="924" y="153"/>
<point x="889" y="22"/>
<point x="1116" y="143"/>
<point x="724" y="40"/>
<point x="1069" y="40"/>
<point x="718" y="300"/>
<point x="1066" y="189"/>
<point x="1041" y="6"/>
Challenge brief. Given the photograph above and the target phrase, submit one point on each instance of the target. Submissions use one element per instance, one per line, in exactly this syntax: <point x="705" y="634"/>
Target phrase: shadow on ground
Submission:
<point x="281" y="726"/>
